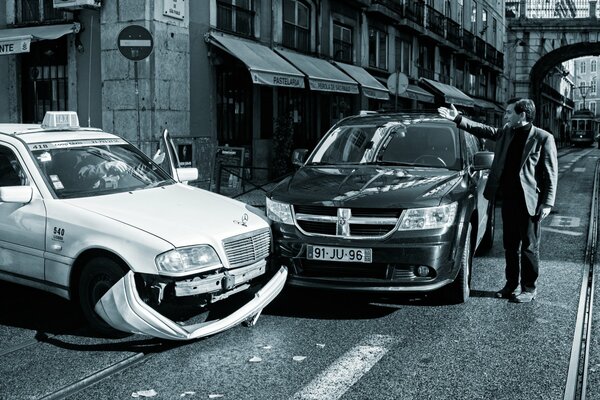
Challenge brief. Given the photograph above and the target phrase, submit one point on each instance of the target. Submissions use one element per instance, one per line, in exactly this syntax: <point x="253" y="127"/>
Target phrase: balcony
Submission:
<point x="490" y="53"/>
<point x="391" y="9"/>
<point x="415" y="12"/>
<point x="436" y="21"/>
<point x="468" y="41"/>
<point x="480" y="47"/>
<point x="453" y="32"/>
<point x="499" y="59"/>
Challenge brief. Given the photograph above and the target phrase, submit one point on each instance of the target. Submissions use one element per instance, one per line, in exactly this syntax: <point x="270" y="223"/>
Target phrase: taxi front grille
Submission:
<point x="346" y="222"/>
<point x="247" y="248"/>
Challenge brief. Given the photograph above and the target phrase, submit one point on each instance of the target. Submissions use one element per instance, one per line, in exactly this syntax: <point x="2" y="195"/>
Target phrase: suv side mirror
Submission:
<point x="483" y="160"/>
<point x="299" y="157"/>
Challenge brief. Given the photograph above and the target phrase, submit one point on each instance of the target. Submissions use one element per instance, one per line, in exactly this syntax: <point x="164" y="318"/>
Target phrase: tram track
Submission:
<point x="576" y="385"/>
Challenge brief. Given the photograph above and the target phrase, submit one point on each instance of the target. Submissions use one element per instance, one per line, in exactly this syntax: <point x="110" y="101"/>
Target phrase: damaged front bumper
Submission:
<point x="123" y="309"/>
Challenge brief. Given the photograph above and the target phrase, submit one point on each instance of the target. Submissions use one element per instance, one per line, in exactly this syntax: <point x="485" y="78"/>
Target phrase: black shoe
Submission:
<point x="506" y="293"/>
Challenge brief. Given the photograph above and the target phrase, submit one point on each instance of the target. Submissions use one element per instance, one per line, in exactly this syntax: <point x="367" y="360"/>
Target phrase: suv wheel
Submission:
<point x="459" y="290"/>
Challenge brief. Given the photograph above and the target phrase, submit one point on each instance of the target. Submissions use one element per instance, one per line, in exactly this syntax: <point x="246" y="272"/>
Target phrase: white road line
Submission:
<point x="579" y="169"/>
<point x="570" y="233"/>
<point x="333" y="382"/>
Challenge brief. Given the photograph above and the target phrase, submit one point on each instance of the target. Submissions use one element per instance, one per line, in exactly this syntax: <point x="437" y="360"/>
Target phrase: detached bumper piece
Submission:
<point x="123" y="309"/>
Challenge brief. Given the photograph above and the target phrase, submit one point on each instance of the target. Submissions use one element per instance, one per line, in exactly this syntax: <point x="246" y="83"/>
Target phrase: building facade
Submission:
<point x="242" y="73"/>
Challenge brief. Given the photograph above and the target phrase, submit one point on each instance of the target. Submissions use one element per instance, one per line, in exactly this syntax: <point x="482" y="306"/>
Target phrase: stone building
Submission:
<point x="233" y="72"/>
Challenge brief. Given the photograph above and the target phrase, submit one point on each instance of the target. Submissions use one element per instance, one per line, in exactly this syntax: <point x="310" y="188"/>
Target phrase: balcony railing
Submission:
<point x="436" y="21"/>
<point x="480" y="47"/>
<point x="468" y="41"/>
<point x="550" y="9"/>
<point x="490" y="53"/>
<point x="453" y="32"/>
<point x="499" y="59"/>
<point x="415" y="11"/>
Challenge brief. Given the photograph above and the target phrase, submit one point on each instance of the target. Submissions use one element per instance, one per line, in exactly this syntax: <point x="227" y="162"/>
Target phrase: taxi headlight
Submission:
<point x="428" y="218"/>
<point x="188" y="258"/>
<point x="279" y="212"/>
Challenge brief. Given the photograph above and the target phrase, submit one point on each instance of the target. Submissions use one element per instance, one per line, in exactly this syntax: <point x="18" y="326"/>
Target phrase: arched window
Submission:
<point x="582" y="67"/>
<point x="296" y="25"/>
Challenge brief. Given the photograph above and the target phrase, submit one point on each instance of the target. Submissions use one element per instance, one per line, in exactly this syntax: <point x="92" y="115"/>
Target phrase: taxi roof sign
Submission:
<point x="60" y="119"/>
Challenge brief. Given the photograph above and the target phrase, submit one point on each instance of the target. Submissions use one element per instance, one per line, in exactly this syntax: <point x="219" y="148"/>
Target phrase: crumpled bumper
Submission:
<point x="123" y="309"/>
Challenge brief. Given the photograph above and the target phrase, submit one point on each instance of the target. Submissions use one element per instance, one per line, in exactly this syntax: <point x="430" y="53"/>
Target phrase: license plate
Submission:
<point x="342" y="254"/>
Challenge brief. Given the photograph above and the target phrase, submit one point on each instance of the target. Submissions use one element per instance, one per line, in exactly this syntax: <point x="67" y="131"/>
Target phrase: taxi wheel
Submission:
<point x="460" y="290"/>
<point x="97" y="277"/>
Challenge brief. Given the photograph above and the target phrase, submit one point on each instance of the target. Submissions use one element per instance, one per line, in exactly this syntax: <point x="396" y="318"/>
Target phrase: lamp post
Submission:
<point x="583" y="90"/>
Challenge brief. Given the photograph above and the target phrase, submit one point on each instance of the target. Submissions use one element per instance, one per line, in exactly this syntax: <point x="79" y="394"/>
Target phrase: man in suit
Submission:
<point x="525" y="171"/>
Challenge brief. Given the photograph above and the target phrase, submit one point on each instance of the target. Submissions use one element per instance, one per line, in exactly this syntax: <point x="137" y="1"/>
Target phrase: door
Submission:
<point x="22" y="226"/>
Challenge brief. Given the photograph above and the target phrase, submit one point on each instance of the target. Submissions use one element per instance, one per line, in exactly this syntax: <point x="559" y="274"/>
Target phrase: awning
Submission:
<point x="451" y="94"/>
<point x="322" y="75"/>
<point x="17" y="40"/>
<point x="266" y="67"/>
<point x="416" y="93"/>
<point x="484" y="104"/>
<point x="370" y="86"/>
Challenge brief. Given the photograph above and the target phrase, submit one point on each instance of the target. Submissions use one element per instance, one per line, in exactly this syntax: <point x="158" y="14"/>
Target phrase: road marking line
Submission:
<point x="563" y="232"/>
<point x="333" y="382"/>
<point x="579" y="169"/>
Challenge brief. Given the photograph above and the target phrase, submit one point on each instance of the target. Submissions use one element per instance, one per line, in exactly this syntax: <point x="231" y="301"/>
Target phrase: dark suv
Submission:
<point x="388" y="203"/>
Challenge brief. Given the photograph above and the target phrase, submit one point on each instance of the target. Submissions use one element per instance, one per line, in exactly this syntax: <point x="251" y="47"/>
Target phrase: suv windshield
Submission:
<point x="423" y="144"/>
<point x="95" y="167"/>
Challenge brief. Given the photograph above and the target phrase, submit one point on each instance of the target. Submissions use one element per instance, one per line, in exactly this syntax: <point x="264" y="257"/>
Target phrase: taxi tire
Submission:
<point x="459" y="291"/>
<point x="97" y="277"/>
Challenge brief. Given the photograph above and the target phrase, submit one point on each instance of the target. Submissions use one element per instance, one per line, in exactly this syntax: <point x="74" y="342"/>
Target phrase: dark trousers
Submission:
<point x="521" y="243"/>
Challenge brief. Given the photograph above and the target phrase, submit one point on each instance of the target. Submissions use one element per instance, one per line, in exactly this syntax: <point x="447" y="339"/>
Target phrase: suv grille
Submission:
<point x="247" y="248"/>
<point x="346" y="222"/>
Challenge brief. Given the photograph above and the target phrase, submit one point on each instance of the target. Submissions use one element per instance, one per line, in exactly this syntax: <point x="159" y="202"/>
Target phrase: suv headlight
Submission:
<point x="428" y="218"/>
<point x="279" y="212"/>
<point x="187" y="259"/>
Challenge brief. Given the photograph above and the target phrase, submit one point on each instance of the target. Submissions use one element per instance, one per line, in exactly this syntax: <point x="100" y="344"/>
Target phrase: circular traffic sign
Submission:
<point x="135" y="42"/>
<point x="397" y="83"/>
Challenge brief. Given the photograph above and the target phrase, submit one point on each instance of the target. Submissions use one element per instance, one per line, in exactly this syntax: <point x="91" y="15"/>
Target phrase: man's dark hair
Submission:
<point x="524" y="105"/>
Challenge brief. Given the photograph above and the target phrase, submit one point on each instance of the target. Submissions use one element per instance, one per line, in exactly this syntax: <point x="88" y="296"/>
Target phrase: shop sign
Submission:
<point x="15" y="46"/>
<point x="273" y="79"/>
<point x="174" y="9"/>
<point x="332" y="86"/>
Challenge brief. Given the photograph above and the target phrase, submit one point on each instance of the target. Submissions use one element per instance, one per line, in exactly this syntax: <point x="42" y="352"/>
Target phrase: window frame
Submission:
<point x="234" y="12"/>
<point x="377" y="49"/>
<point x="295" y="27"/>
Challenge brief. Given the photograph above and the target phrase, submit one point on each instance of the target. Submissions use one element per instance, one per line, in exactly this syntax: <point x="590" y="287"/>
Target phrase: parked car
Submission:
<point x="86" y="215"/>
<point x="388" y="203"/>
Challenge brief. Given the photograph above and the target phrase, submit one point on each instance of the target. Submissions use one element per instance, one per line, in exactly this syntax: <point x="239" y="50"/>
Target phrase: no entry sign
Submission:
<point x="135" y="42"/>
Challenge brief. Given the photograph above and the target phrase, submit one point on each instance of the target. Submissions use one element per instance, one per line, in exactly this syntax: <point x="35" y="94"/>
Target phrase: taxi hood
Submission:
<point x="366" y="185"/>
<point x="180" y="214"/>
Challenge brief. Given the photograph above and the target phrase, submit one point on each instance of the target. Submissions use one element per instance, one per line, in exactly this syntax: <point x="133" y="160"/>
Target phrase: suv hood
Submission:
<point x="367" y="186"/>
<point x="180" y="214"/>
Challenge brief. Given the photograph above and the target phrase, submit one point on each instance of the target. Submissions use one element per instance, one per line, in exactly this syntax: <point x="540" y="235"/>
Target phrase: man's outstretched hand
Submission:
<point x="448" y="113"/>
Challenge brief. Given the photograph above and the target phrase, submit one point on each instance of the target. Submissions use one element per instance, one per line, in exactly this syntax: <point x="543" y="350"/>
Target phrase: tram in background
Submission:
<point x="584" y="127"/>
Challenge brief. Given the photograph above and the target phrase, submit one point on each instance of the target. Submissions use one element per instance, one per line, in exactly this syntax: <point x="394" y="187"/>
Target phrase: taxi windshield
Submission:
<point x="96" y="167"/>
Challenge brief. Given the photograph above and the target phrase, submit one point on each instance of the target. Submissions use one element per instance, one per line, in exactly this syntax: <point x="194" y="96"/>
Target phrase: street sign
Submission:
<point x="135" y="42"/>
<point x="397" y="83"/>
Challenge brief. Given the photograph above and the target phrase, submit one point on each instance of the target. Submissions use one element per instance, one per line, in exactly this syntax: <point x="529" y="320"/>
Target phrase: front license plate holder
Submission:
<point x="339" y="254"/>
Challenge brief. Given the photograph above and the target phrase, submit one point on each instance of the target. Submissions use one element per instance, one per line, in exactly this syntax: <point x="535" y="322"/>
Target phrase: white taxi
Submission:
<point x="86" y="215"/>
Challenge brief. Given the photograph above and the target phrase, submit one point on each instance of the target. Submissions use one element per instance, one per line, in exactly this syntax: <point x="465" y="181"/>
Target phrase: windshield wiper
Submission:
<point x="398" y="163"/>
<point x="320" y="163"/>
<point x="159" y="183"/>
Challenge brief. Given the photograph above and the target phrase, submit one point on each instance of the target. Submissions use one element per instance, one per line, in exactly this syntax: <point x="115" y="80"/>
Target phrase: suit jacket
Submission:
<point x="539" y="163"/>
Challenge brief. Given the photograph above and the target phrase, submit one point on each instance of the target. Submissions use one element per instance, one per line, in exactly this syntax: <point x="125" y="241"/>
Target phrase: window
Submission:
<point x="483" y="81"/>
<point x="593" y="106"/>
<point x="296" y="25"/>
<point x="448" y="8"/>
<point x="593" y="66"/>
<point x="484" y="22"/>
<point x="404" y="54"/>
<point x="236" y="16"/>
<point x="593" y="85"/>
<point x="582" y="67"/>
<point x="11" y="173"/>
<point x="342" y="43"/>
<point x="494" y="31"/>
<point x="377" y="48"/>
<point x="460" y="9"/>
<point x="37" y="11"/>
<point x="474" y="17"/>
<point x="426" y="60"/>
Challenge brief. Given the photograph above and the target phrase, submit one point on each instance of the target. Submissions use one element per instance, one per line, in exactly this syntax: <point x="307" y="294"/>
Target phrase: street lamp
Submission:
<point x="583" y="90"/>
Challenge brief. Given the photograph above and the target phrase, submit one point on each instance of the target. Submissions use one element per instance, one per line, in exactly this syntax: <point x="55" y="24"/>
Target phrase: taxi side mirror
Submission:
<point x="16" y="194"/>
<point x="187" y="174"/>
<point x="299" y="157"/>
<point x="483" y="160"/>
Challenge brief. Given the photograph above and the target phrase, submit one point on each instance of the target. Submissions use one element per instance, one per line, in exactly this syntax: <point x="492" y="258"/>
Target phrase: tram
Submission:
<point x="584" y="127"/>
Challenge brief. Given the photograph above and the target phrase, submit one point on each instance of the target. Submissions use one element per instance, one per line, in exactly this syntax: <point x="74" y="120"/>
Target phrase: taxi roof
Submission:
<point x="34" y="133"/>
